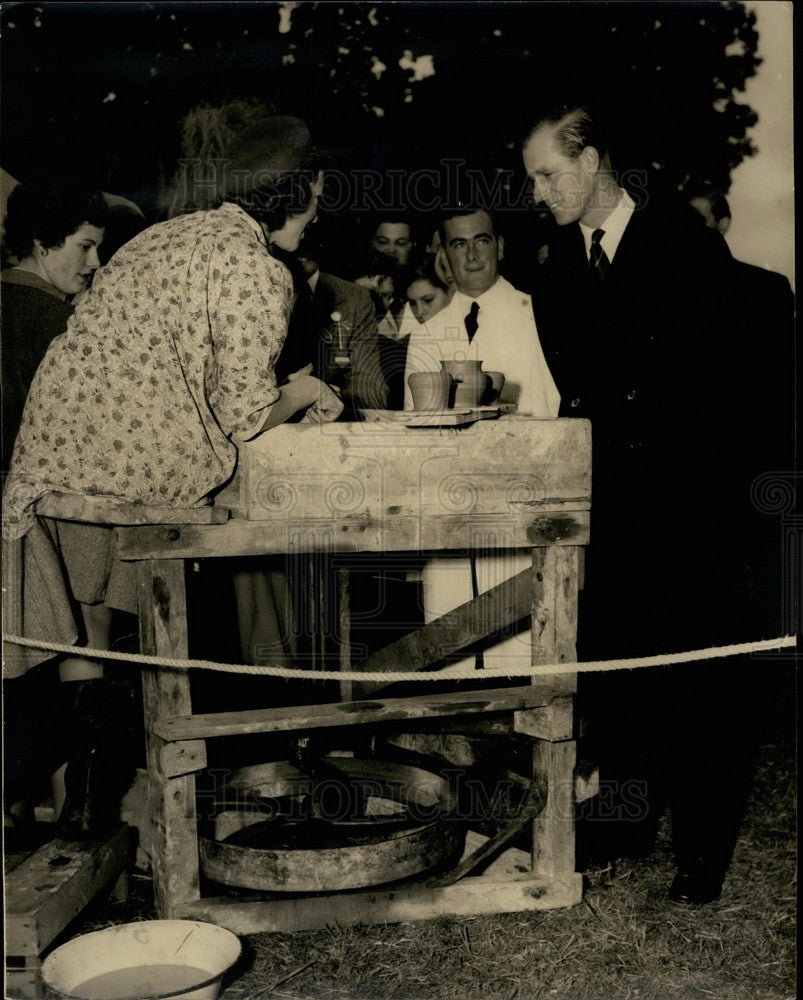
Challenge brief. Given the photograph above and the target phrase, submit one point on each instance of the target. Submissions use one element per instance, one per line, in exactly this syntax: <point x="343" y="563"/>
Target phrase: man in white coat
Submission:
<point x="488" y="320"/>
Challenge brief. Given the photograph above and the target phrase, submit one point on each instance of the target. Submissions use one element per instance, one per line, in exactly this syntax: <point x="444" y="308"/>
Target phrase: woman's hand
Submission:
<point x="326" y="408"/>
<point x="306" y="370"/>
<point x="303" y="391"/>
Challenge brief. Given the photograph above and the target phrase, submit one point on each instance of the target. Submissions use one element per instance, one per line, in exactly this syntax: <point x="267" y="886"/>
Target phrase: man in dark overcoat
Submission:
<point x="641" y="322"/>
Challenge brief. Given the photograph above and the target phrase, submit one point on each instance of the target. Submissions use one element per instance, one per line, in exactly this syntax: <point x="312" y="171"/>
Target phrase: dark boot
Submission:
<point x="698" y="882"/>
<point x="101" y="767"/>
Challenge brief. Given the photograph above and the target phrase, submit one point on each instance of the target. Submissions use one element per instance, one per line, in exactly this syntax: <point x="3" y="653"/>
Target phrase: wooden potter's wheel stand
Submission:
<point x="515" y="483"/>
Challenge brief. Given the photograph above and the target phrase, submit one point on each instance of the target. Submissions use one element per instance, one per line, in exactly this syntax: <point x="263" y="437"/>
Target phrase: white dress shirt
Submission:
<point x="506" y="341"/>
<point x="393" y="330"/>
<point x="613" y="227"/>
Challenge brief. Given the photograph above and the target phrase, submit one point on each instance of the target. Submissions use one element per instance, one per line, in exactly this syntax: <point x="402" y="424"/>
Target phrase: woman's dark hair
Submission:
<point x="423" y="269"/>
<point x="271" y="203"/>
<point x="49" y="211"/>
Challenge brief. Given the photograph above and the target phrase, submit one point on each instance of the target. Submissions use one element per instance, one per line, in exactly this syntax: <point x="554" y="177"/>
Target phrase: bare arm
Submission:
<point x="303" y="392"/>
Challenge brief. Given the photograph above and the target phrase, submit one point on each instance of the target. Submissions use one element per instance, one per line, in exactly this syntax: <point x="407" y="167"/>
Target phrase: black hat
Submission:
<point x="263" y="152"/>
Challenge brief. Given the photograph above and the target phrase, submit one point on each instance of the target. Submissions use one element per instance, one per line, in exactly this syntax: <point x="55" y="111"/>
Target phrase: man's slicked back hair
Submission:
<point x="576" y="126"/>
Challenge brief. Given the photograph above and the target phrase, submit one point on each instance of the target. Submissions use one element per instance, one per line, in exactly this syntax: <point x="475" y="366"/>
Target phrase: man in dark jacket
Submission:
<point x="638" y="312"/>
<point x="333" y="327"/>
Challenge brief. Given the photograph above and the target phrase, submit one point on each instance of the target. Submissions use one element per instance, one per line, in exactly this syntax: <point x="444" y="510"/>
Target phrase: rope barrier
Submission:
<point x="456" y="672"/>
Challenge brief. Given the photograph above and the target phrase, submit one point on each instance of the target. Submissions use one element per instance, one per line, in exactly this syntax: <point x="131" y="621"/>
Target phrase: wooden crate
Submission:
<point x="48" y="890"/>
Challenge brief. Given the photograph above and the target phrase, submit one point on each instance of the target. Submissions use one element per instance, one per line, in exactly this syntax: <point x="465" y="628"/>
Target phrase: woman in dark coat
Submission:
<point x="53" y="230"/>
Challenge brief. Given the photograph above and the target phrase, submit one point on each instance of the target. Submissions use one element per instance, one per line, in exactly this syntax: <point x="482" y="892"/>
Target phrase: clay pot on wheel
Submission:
<point x="472" y="382"/>
<point x="430" y="390"/>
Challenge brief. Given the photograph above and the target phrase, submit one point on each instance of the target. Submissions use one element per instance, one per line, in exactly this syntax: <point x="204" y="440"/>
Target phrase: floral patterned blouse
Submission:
<point x="170" y="354"/>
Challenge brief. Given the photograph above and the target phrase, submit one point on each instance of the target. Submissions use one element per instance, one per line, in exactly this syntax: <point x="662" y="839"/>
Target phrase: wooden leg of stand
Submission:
<point x="553" y="828"/>
<point x="554" y="619"/>
<point x="166" y="691"/>
<point x="554" y="609"/>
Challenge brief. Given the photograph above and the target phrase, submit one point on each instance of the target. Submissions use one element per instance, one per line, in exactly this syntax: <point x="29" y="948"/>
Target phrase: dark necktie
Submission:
<point x="598" y="259"/>
<point x="471" y="320"/>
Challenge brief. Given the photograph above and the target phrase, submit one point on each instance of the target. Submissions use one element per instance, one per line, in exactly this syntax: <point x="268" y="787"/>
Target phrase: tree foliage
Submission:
<point x="383" y="85"/>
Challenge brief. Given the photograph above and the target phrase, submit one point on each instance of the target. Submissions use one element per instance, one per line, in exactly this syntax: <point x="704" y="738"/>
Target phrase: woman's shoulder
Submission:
<point x="26" y="302"/>
<point x="278" y="270"/>
<point x="28" y="283"/>
<point x="193" y="227"/>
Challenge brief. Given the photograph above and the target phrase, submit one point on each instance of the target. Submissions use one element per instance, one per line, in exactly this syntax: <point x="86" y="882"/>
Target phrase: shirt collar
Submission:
<point x="614" y="226"/>
<point x="491" y="294"/>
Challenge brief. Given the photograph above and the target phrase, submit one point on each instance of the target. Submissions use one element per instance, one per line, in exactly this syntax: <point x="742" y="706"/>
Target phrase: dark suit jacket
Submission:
<point x="653" y="357"/>
<point x="312" y="338"/>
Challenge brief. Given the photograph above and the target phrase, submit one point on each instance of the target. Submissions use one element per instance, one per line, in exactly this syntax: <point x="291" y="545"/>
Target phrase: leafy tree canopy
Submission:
<point x="388" y="86"/>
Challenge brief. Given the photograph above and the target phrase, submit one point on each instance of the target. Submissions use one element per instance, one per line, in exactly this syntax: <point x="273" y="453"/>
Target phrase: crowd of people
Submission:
<point x="217" y="325"/>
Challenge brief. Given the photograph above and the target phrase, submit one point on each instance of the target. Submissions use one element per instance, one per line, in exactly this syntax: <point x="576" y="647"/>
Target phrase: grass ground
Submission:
<point x="625" y="941"/>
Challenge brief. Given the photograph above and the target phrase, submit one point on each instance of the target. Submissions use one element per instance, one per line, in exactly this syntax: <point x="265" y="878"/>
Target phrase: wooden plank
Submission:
<point x="548" y="722"/>
<point x="471" y="622"/>
<point x="185" y="757"/>
<point x="53" y="885"/>
<point x="469" y="897"/>
<point x="298" y="472"/>
<point x="453" y="749"/>
<point x="24" y="983"/>
<point x="458" y="754"/>
<point x="163" y="632"/>
<point x="275" y="720"/>
<point x="517" y="528"/>
<point x="512" y="861"/>
<point x="476" y="725"/>
<point x="108" y="510"/>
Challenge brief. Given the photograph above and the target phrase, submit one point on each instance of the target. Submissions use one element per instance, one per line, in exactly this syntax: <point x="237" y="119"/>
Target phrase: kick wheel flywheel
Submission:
<point x="347" y="823"/>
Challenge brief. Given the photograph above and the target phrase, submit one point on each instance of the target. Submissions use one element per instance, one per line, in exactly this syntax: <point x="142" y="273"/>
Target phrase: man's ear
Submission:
<point x="724" y="224"/>
<point x="500" y="247"/>
<point x="441" y="260"/>
<point x="590" y="159"/>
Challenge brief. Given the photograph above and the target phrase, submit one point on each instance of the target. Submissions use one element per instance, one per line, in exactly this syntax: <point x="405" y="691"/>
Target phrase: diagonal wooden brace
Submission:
<point x="477" y="619"/>
<point x="490" y="847"/>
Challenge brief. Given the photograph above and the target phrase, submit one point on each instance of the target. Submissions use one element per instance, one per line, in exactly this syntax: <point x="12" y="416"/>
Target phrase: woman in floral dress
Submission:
<point x="164" y="366"/>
